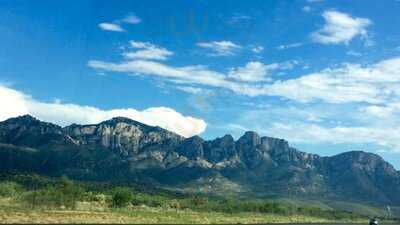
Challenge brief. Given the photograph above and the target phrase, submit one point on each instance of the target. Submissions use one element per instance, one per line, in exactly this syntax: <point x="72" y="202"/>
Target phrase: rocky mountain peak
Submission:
<point x="26" y="120"/>
<point x="192" y="147"/>
<point x="364" y="161"/>
<point x="28" y="131"/>
<point x="117" y="120"/>
<point x="250" y="138"/>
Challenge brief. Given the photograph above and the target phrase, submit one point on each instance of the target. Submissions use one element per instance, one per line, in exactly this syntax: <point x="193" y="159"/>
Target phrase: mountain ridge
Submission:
<point x="124" y="149"/>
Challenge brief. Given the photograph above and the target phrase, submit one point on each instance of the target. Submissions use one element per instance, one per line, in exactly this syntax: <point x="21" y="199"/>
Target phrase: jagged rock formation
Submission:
<point x="126" y="150"/>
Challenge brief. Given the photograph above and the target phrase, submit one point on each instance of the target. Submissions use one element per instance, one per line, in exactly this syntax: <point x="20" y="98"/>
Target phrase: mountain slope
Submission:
<point x="121" y="149"/>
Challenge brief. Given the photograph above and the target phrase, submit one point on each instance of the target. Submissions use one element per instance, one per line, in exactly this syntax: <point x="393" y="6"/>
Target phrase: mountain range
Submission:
<point x="124" y="150"/>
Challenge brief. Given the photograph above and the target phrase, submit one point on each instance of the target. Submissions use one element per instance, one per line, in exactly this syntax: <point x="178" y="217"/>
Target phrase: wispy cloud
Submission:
<point x="146" y="50"/>
<point x="256" y="71"/>
<point x="376" y="83"/>
<point x="288" y="46"/>
<point x="195" y="90"/>
<point x="322" y="124"/>
<point x="116" y="25"/>
<point x="15" y="103"/>
<point x="239" y="19"/>
<point x="373" y="84"/>
<point x="306" y="8"/>
<point x="257" y="49"/>
<point x="131" y="19"/>
<point x="198" y="74"/>
<point x="340" y="28"/>
<point x="220" y="48"/>
<point x="386" y="137"/>
<point x="111" y="27"/>
<point x="353" y="53"/>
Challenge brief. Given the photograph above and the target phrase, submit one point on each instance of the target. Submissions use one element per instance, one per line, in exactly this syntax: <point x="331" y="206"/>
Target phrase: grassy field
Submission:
<point x="12" y="211"/>
<point x="64" y="201"/>
<point x="153" y="216"/>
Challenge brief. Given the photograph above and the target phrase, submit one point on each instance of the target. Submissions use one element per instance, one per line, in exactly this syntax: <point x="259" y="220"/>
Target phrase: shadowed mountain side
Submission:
<point x="124" y="150"/>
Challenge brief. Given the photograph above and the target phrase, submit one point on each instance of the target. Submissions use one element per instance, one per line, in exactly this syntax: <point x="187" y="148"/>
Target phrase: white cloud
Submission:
<point x="387" y="137"/>
<point x="353" y="53"/>
<point x="111" y="27"/>
<point x="387" y="111"/>
<point x="220" y="48"/>
<point x="378" y="111"/>
<point x="116" y="25"/>
<point x="306" y="8"/>
<point x="321" y="124"/>
<point x="131" y="19"/>
<point x="239" y="19"/>
<point x="199" y="75"/>
<point x="340" y="28"/>
<point x="147" y="51"/>
<point x="292" y="45"/>
<point x="252" y="72"/>
<point x="182" y="75"/>
<point x="15" y="103"/>
<point x="12" y="103"/>
<point x="376" y="83"/>
<point x="257" y="49"/>
<point x="194" y="90"/>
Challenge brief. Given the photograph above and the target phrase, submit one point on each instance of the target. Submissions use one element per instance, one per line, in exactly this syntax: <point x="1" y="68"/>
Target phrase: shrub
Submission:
<point x="10" y="189"/>
<point x="121" y="197"/>
<point x="63" y="194"/>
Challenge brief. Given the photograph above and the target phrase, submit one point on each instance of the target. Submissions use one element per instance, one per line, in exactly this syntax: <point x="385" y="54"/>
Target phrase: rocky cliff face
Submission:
<point x="122" y="135"/>
<point x="126" y="150"/>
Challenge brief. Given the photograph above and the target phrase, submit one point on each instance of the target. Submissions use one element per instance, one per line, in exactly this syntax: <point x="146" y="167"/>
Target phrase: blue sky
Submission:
<point x="322" y="74"/>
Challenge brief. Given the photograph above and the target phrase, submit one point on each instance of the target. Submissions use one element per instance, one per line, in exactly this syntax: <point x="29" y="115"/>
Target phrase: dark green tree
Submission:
<point x="121" y="197"/>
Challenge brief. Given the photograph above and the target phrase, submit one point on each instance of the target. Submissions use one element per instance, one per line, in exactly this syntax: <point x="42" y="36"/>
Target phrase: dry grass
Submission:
<point x="148" y="216"/>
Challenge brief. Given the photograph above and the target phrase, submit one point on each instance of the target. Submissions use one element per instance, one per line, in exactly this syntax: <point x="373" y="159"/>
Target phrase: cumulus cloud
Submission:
<point x="15" y="103"/>
<point x="111" y="27"/>
<point x="340" y="28"/>
<point x="146" y="50"/>
<point x="220" y="48"/>
<point x="252" y="72"/>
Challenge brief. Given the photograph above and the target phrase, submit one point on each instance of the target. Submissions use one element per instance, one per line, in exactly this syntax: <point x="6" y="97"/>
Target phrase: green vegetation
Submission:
<point x="121" y="197"/>
<point x="26" y="197"/>
<point x="10" y="189"/>
<point x="62" y="194"/>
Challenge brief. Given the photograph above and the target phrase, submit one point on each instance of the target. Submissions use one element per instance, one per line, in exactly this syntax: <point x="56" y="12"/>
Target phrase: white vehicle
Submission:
<point x="373" y="221"/>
